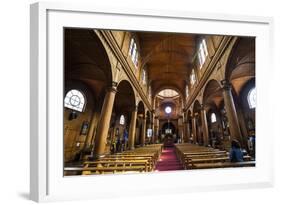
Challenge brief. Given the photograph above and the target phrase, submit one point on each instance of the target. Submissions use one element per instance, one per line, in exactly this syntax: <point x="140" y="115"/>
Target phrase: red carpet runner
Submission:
<point x="168" y="160"/>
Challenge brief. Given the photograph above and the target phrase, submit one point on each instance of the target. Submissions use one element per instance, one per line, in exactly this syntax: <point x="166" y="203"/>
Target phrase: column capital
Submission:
<point x="114" y="84"/>
<point x="195" y="115"/>
<point x="113" y="87"/>
<point x="203" y="107"/>
<point x="135" y="108"/>
<point x="226" y="85"/>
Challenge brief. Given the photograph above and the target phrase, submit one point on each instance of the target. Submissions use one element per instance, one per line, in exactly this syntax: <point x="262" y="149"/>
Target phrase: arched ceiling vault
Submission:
<point x="167" y="58"/>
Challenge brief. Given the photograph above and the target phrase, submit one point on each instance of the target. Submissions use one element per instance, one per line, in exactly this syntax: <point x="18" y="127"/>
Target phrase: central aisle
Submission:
<point x="168" y="160"/>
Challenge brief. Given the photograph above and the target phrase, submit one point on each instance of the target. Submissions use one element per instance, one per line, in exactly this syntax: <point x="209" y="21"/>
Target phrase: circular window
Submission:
<point x="74" y="100"/>
<point x="168" y="109"/>
<point x="252" y="98"/>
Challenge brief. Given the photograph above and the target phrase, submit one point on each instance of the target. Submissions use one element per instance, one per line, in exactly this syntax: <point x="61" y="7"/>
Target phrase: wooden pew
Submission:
<point x="141" y="159"/>
<point x="102" y="170"/>
<point x="184" y="150"/>
<point x="142" y="165"/>
<point x="224" y="165"/>
<point x="203" y="155"/>
<point x="151" y="160"/>
<point x="191" y="155"/>
<point x="192" y="162"/>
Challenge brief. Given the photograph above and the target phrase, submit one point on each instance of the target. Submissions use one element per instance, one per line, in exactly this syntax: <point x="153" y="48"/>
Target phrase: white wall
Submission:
<point x="14" y="101"/>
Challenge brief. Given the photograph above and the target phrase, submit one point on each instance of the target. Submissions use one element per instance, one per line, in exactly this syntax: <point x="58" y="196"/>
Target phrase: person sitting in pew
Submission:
<point x="235" y="154"/>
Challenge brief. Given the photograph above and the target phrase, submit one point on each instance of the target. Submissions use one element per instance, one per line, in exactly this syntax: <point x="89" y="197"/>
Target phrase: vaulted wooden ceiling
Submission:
<point x="167" y="58"/>
<point x="82" y="49"/>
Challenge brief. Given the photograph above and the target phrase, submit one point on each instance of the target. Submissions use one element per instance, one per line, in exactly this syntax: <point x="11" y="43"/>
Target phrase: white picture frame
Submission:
<point x="46" y="140"/>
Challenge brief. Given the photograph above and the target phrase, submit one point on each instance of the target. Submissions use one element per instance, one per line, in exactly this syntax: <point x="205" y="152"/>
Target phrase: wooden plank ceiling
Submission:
<point x="167" y="58"/>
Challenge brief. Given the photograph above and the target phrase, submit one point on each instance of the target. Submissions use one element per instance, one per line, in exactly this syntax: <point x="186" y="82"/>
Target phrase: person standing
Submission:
<point x="118" y="144"/>
<point x="235" y="154"/>
<point x="125" y="137"/>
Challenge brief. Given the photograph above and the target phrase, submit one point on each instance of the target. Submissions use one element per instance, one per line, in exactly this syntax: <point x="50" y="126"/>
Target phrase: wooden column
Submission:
<point x="132" y="132"/>
<point x="188" y="131"/>
<point x="103" y="125"/>
<point x="143" y="131"/>
<point x="180" y="127"/>
<point x="194" y="137"/>
<point x="243" y="127"/>
<point x="90" y="136"/>
<point x="231" y="112"/>
<point x="156" y="128"/>
<point x="205" y="126"/>
<point x="152" y="127"/>
<point x="184" y="128"/>
<point x="184" y="131"/>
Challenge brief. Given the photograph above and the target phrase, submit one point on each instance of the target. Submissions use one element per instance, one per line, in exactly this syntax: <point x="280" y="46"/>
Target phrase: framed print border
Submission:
<point x="47" y="21"/>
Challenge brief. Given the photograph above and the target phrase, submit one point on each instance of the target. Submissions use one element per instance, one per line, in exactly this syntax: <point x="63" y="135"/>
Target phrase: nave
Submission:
<point x="155" y="158"/>
<point x="137" y="102"/>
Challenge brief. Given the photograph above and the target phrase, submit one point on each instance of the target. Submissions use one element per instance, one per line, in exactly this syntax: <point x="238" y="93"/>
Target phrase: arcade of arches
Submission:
<point x="149" y="93"/>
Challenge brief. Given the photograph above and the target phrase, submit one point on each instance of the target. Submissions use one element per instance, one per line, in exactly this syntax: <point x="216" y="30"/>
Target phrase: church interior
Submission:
<point x="137" y="101"/>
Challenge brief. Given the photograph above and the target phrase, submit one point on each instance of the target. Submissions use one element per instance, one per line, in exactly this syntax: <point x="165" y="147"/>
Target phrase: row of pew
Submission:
<point x="141" y="159"/>
<point x="198" y="157"/>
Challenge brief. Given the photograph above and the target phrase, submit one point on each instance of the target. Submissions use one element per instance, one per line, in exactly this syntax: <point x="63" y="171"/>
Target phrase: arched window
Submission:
<point x="186" y="91"/>
<point x="192" y="77"/>
<point x="252" y="98"/>
<point x="213" y="118"/>
<point x="149" y="93"/>
<point x="75" y="100"/>
<point x="133" y="51"/>
<point x="202" y="52"/>
<point x="144" y="77"/>
<point x="122" y="120"/>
